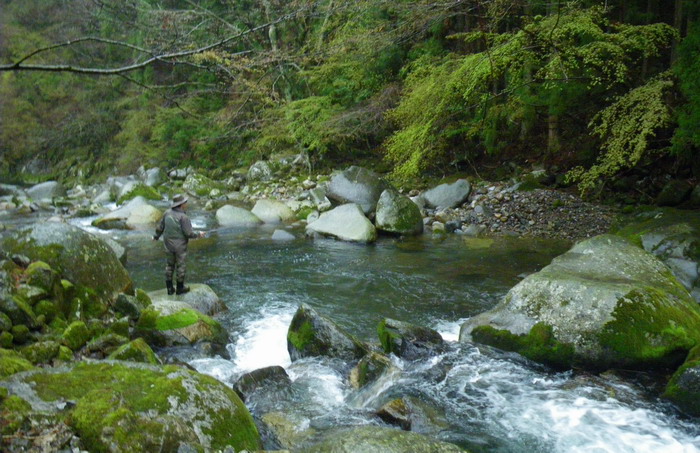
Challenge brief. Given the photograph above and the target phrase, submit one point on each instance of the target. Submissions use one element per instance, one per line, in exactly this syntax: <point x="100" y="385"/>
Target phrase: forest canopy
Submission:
<point x="593" y="89"/>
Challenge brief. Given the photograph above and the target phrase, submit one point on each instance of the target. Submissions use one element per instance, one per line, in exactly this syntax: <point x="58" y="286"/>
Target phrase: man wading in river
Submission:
<point x="176" y="229"/>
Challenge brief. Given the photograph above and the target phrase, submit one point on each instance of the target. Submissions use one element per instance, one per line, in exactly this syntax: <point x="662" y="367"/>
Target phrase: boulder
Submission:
<point x="200" y="297"/>
<point x="604" y="304"/>
<point x="133" y="190"/>
<point x="135" y="351"/>
<point x="683" y="389"/>
<point x="259" y="171"/>
<point x="319" y="199"/>
<point x="346" y="222"/>
<point x="46" y="191"/>
<point x="369" y="368"/>
<point x="414" y="414"/>
<point x="674" y="193"/>
<point x="125" y="406"/>
<point x="357" y="185"/>
<point x="78" y="256"/>
<point x="397" y="214"/>
<point x="273" y="211"/>
<point x="376" y="439"/>
<point x="169" y="323"/>
<point x="313" y="335"/>
<point x="152" y="177"/>
<point x="12" y="362"/>
<point x="232" y="216"/>
<point x="674" y="237"/>
<point x="282" y="235"/>
<point x="137" y="213"/>
<point x="119" y="250"/>
<point x="409" y="341"/>
<point x="289" y="430"/>
<point x="448" y="195"/>
<point x="267" y="379"/>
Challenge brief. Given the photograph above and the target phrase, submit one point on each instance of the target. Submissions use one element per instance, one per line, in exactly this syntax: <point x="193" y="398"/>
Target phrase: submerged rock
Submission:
<point x="357" y="185"/>
<point x="124" y="406"/>
<point x="375" y="439"/>
<point x="313" y="335"/>
<point x="346" y="222"/>
<point x="603" y="304"/>
<point x="268" y="379"/>
<point x="397" y="214"/>
<point x="409" y="341"/>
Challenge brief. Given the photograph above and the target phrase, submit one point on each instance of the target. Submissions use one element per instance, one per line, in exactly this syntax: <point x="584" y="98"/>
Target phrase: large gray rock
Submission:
<point x="46" y="191"/>
<point x="152" y="177"/>
<point x="233" y="216"/>
<point x="200" y="297"/>
<point x="313" y="335"/>
<point x="346" y="222"/>
<point x="136" y="214"/>
<point x="273" y="211"/>
<point x="448" y="195"/>
<point x="397" y="214"/>
<point x="319" y="199"/>
<point x="259" y="171"/>
<point x="409" y="341"/>
<point x="674" y="237"/>
<point x="78" y="256"/>
<point x="375" y="439"/>
<point x="357" y="185"/>
<point x="605" y="303"/>
<point x="126" y="406"/>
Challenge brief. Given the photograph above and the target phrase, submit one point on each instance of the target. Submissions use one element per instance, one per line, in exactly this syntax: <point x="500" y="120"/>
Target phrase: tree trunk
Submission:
<point x="678" y="24"/>
<point x="553" y="143"/>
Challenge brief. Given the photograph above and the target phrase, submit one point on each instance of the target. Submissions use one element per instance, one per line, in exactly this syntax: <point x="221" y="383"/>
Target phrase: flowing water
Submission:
<point x="477" y="397"/>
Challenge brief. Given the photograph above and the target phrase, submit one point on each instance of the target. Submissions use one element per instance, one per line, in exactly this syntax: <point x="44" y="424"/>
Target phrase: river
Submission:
<point x="477" y="397"/>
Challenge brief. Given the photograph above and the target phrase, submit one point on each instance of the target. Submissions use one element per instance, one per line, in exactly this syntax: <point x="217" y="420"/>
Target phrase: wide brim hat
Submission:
<point x="178" y="200"/>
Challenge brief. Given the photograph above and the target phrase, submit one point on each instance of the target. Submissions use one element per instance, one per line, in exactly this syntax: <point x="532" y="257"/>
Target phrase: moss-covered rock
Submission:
<point x="6" y="340"/>
<point x="47" y="308"/>
<point x="76" y="335"/>
<point x="168" y="323"/>
<point x="103" y="345"/>
<point x="397" y="214"/>
<point x="18" y="310"/>
<point x="13" y="413"/>
<point x="140" y="190"/>
<point x="369" y="368"/>
<point x="41" y="352"/>
<point x="124" y="406"/>
<point x="41" y="275"/>
<point x="12" y="362"/>
<point x="408" y="341"/>
<point x="135" y="351"/>
<point x="313" y="335"/>
<point x="684" y="387"/>
<point x="414" y="414"/>
<point x="120" y="327"/>
<point x="612" y="303"/>
<point x="78" y="256"/>
<point x="20" y="333"/>
<point x="200" y="297"/>
<point x="5" y="322"/>
<point x="201" y="186"/>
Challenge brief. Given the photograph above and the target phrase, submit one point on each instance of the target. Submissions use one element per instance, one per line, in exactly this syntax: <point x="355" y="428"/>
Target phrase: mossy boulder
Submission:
<point x="604" y="304"/>
<point x="18" y="310"/>
<point x="398" y="214"/>
<point x="139" y="190"/>
<point x="200" y="297"/>
<point x="673" y="236"/>
<point x="376" y="439"/>
<point x="409" y="341"/>
<point x="313" y="335"/>
<point x="125" y="406"/>
<point x="168" y="323"/>
<point x="39" y="274"/>
<point x="684" y="387"/>
<point x="12" y="362"/>
<point x="201" y="186"/>
<point x="41" y="352"/>
<point x="76" y="255"/>
<point x="76" y="335"/>
<point x="135" y="351"/>
<point x="369" y="368"/>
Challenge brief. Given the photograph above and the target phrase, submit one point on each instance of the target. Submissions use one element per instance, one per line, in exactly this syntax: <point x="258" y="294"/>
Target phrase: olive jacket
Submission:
<point x="176" y="229"/>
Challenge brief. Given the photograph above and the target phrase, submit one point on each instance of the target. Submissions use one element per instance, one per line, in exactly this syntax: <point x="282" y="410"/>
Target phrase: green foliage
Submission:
<point x="626" y="128"/>
<point x="686" y="140"/>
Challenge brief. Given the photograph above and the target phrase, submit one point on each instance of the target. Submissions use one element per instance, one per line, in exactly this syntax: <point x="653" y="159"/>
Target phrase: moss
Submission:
<point x="136" y="351"/>
<point x="120" y="327"/>
<point x="46" y="308"/>
<point x="76" y="335"/>
<point x="13" y="413"/>
<point x="143" y="298"/>
<point x="304" y="212"/>
<point x="20" y="333"/>
<point x="6" y="340"/>
<point x="41" y="352"/>
<point x="301" y="336"/>
<point x="41" y="275"/>
<point x="12" y="362"/>
<point x="651" y="328"/>
<point x="141" y="190"/>
<point x="183" y="318"/>
<point x="5" y="322"/>
<point x="538" y="345"/>
<point x="682" y="387"/>
<point x="147" y="320"/>
<point x="65" y="354"/>
<point x="388" y="338"/>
